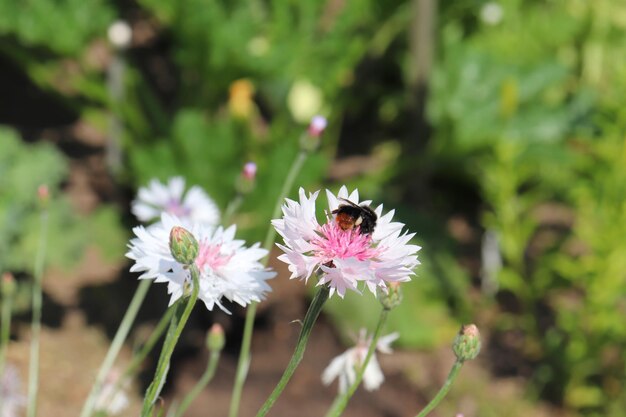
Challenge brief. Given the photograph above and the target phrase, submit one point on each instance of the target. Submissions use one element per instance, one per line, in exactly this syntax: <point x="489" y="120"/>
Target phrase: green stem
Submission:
<point x="232" y="207"/>
<point x="444" y="389"/>
<point x="33" y="370"/>
<point x="309" y="320"/>
<point x="202" y="383"/>
<point x="244" y="354"/>
<point x="139" y="357"/>
<point x="168" y="348"/>
<point x="7" y="304"/>
<point x="268" y="243"/>
<point x="244" y="361"/>
<point x="116" y="346"/>
<point x="149" y="345"/>
<point x="341" y="401"/>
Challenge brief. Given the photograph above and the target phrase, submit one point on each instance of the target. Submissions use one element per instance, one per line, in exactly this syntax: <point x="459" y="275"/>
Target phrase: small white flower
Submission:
<point x="346" y="257"/>
<point x="156" y="198"/>
<point x="491" y="13"/>
<point x="346" y="365"/>
<point x="10" y="392"/>
<point x="228" y="269"/>
<point x="120" y="34"/>
<point x="111" y="401"/>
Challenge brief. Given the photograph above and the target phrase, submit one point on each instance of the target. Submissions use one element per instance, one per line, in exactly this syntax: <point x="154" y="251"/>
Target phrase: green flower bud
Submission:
<point x="215" y="339"/>
<point x="183" y="245"/>
<point x="467" y="343"/>
<point x="392" y="298"/>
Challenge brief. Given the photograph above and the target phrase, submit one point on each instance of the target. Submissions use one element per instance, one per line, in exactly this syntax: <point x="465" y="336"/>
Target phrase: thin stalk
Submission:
<point x="171" y="411"/>
<point x="33" y="369"/>
<point x="309" y="320"/>
<point x="7" y="305"/>
<point x="296" y="166"/>
<point x="201" y="384"/>
<point x="444" y="389"/>
<point x="232" y="207"/>
<point x="5" y="333"/>
<point x="168" y="348"/>
<point x="244" y="354"/>
<point x="143" y="352"/>
<point x="341" y="401"/>
<point x="116" y="346"/>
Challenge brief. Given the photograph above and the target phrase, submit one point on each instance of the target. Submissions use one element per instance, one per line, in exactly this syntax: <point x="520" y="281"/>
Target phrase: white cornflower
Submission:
<point x="112" y="401"/>
<point x="13" y="401"/>
<point x="195" y="206"/>
<point x="345" y="257"/>
<point x="346" y="365"/>
<point x="227" y="268"/>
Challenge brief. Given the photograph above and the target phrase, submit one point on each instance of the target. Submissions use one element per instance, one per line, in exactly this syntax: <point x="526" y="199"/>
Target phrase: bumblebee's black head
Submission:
<point x="350" y="215"/>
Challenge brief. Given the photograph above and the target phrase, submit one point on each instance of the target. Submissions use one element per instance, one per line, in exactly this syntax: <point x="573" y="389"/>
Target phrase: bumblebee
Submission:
<point x="350" y="215"/>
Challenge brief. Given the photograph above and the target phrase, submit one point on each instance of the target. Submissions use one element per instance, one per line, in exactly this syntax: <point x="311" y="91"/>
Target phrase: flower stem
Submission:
<point x="33" y="369"/>
<point x="244" y="354"/>
<point x="116" y="346"/>
<point x="7" y="304"/>
<point x="444" y="389"/>
<point x="296" y="166"/>
<point x="309" y="320"/>
<point x="168" y="347"/>
<point x="232" y="207"/>
<point x="201" y="384"/>
<point x="5" y="334"/>
<point x="341" y="401"/>
<point x="147" y="347"/>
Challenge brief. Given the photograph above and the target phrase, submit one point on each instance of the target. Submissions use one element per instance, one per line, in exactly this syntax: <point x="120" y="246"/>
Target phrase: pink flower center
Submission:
<point x="209" y="255"/>
<point x="175" y="207"/>
<point x="334" y="242"/>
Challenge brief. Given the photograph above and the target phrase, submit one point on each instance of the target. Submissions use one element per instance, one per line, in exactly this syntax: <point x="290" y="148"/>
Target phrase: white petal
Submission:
<point x="373" y="376"/>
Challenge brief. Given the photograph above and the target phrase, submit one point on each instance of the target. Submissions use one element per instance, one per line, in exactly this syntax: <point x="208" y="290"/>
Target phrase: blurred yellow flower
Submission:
<point x="240" y="103"/>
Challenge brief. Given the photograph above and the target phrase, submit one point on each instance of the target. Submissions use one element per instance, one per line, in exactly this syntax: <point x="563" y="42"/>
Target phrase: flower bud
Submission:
<point x="8" y="285"/>
<point x="467" y="343"/>
<point x="311" y="141"/>
<point x="215" y="339"/>
<point x="245" y="182"/>
<point x="392" y="298"/>
<point x="183" y="245"/>
<point x="249" y="171"/>
<point x="43" y="195"/>
<point x="317" y="126"/>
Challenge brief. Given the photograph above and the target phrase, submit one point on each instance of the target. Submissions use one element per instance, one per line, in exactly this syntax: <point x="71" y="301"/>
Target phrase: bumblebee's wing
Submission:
<point x="350" y="203"/>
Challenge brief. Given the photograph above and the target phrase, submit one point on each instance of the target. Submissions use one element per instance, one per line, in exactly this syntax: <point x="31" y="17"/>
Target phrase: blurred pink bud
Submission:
<point x="249" y="171"/>
<point x="215" y="338"/>
<point x="317" y="126"/>
<point x="43" y="194"/>
<point x="7" y="287"/>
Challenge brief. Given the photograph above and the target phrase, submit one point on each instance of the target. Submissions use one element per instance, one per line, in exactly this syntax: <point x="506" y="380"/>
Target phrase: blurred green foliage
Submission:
<point x="525" y="102"/>
<point x="532" y="106"/>
<point x="23" y="168"/>
<point x="64" y="27"/>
